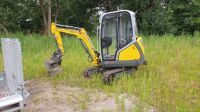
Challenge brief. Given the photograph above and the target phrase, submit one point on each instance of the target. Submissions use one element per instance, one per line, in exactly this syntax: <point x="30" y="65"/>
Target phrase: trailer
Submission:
<point x="13" y="93"/>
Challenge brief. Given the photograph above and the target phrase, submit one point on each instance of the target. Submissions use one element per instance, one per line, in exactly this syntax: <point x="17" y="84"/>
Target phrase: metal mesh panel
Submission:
<point x="12" y="57"/>
<point x="2" y="81"/>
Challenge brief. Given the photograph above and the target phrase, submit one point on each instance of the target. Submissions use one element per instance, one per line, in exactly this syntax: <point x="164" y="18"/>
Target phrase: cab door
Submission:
<point x="128" y="49"/>
<point x="109" y="37"/>
<point x="125" y="30"/>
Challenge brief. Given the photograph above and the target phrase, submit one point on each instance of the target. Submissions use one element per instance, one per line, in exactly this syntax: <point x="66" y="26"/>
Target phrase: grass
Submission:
<point x="170" y="81"/>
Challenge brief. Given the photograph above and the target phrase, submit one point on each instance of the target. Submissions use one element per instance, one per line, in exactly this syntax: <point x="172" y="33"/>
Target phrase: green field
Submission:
<point x="170" y="81"/>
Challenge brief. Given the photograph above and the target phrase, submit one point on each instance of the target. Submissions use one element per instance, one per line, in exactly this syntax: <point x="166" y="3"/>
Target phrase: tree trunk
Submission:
<point x="150" y="5"/>
<point x="108" y="7"/>
<point x="56" y="16"/>
<point x="57" y="11"/>
<point x="49" y="18"/>
<point x="4" y="29"/>
<point x="44" y="16"/>
<point x="105" y="5"/>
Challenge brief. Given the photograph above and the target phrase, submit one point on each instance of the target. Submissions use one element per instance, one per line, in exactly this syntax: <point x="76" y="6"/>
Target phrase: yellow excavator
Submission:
<point x="121" y="49"/>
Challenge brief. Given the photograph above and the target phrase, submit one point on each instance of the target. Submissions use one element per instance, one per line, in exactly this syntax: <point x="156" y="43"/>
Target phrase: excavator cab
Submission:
<point x="120" y="45"/>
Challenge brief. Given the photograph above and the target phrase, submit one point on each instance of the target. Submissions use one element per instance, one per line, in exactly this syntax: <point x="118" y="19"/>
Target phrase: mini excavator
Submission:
<point x="121" y="49"/>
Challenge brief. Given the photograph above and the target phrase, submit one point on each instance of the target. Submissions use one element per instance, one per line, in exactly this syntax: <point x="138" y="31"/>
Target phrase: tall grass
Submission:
<point x="170" y="81"/>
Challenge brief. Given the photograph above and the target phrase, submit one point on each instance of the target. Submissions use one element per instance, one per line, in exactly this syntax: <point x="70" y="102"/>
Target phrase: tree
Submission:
<point x="46" y="12"/>
<point x="8" y="14"/>
<point x="76" y="13"/>
<point x="186" y="16"/>
<point x="109" y="5"/>
<point x="152" y="16"/>
<point x="17" y="15"/>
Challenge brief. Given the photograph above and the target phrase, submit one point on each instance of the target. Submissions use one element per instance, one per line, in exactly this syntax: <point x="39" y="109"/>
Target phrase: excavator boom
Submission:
<point x="79" y="33"/>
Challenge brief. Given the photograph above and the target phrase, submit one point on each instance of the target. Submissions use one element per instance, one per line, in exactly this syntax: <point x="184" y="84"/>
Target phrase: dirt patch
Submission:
<point x="48" y="97"/>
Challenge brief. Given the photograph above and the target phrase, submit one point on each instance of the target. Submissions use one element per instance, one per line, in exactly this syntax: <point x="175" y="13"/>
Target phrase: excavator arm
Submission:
<point x="79" y="33"/>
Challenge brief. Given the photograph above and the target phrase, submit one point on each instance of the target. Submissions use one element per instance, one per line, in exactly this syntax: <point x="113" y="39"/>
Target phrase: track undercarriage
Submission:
<point x="109" y="74"/>
<point x="53" y="66"/>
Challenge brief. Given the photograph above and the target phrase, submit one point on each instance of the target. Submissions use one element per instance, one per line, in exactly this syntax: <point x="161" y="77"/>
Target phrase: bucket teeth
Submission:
<point x="49" y="64"/>
<point x="52" y="67"/>
<point x="54" y="71"/>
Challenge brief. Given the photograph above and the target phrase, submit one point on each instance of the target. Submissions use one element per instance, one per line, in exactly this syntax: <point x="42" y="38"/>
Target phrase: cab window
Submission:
<point x="125" y="29"/>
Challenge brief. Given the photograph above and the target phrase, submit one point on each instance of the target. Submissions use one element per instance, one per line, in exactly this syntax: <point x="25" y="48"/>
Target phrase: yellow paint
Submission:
<point x="57" y="36"/>
<point x="141" y="44"/>
<point x="130" y="53"/>
<point x="80" y="34"/>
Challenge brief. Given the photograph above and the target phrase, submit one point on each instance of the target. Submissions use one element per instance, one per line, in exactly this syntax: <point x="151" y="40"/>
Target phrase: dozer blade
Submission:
<point x="53" y="67"/>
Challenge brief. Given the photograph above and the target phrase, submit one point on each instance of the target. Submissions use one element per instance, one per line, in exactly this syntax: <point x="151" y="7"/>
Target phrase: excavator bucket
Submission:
<point x="52" y="67"/>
